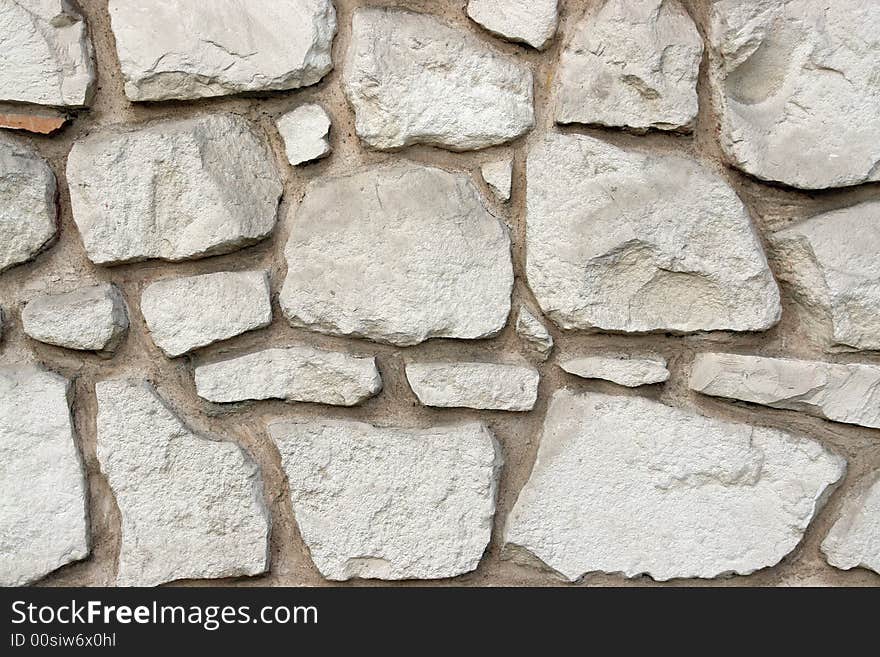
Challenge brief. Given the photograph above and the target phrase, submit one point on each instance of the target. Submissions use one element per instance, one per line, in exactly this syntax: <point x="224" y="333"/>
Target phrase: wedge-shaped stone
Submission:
<point x="191" y="507"/>
<point x="187" y="313"/>
<point x="43" y="509"/>
<point x="795" y="85"/>
<point x="92" y="318"/>
<point x="397" y="254"/>
<point x="630" y="371"/>
<point x="304" y="131"/>
<point x="47" y="55"/>
<point x="831" y="260"/>
<point x="498" y="176"/>
<point x="200" y="49"/>
<point x="27" y="204"/>
<point x="523" y="21"/>
<point x="627" y="485"/>
<point x="413" y="79"/>
<point x="623" y="241"/>
<point x="489" y="386"/>
<point x="631" y="64"/>
<point x="530" y="329"/>
<point x="841" y="392"/>
<point x="172" y="190"/>
<point x="390" y="503"/>
<point x="854" y="540"/>
<point x="299" y="374"/>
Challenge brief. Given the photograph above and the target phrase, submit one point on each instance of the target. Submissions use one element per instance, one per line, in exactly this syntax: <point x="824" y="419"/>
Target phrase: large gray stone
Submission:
<point x="390" y="503"/>
<point x="623" y="241"/>
<point x="854" y="540"/>
<point x="397" y="254"/>
<point x="43" y="509"/>
<point x="490" y="386"/>
<point x="173" y="190"/>
<point x="200" y="49"/>
<point x="413" y="79"/>
<point x="627" y="485"/>
<point x="795" y="85"/>
<point x="192" y="507"/>
<point x="524" y="21"/>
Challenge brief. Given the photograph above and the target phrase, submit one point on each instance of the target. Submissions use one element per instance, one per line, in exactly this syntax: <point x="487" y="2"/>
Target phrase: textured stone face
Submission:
<point x="498" y="176"/>
<point x="624" y="484"/>
<point x="844" y="393"/>
<point x="47" y="54"/>
<point x="91" y="318"/>
<point x="172" y="190"/>
<point x="191" y="507"/>
<point x="390" y="503"/>
<point x="530" y="329"/>
<point x="524" y="21"/>
<point x="631" y="64"/>
<point x="794" y="83"/>
<point x="623" y="370"/>
<point x="397" y="254"/>
<point x="413" y="79"/>
<point x="832" y="262"/>
<point x="295" y="373"/>
<point x="187" y="313"/>
<point x="304" y="131"/>
<point x="27" y="204"/>
<point x="488" y="386"/>
<point x="854" y="540"/>
<point x="43" y="517"/>
<point x="196" y="50"/>
<point x="642" y="243"/>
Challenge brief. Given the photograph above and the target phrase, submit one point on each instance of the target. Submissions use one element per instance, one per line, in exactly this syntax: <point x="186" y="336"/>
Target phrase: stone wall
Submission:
<point x="296" y="292"/>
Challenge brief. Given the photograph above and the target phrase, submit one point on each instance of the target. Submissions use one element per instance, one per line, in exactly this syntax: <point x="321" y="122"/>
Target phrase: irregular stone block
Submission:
<point x="489" y="386"/>
<point x="530" y="329"/>
<point x="629" y="371"/>
<point x="305" y="131"/>
<point x="854" y="540"/>
<point x="36" y="120"/>
<point x="523" y="21"/>
<point x="498" y="175"/>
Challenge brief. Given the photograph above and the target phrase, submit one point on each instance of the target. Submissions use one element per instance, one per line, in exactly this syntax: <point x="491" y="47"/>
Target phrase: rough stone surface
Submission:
<point x="173" y="189"/>
<point x="299" y="374"/>
<point x="397" y="254"/>
<point x="490" y="386"/>
<point x="641" y="243"/>
<point x="627" y="485"/>
<point x="498" y="176"/>
<point x="854" y="540"/>
<point x="195" y="50"/>
<point x="27" y="204"/>
<point x="91" y="318"/>
<point x="832" y="262"/>
<point x="183" y="314"/>
<point x="844" y="393"/>
<point x="530" y="329"/>
<point x="42" y="121"/>
<point x="631" y="64"/>
<point x="390" y="503"/>
<point x="523" y="21"/>
<point x="795" y="85"/>
<point x="305" y="133"/>
<point x="47" y="54"/>
<point x="43" y="509"/>
<point x="629" y="371"/>
<point x="191" y="507"/>
<point x="413" y="79"/>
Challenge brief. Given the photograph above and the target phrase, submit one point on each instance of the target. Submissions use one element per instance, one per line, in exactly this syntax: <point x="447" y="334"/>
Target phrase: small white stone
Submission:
<point x="523" y="21"/>
<point x="489" y="386"/>
<point x="190" y="50"/>
<point x="631" y="64"/>
<point x="630" y="371"/>
<point x="854" y="540"/>
<point x="192" y="507"/>
<point x="627" y="485"/>
<point x="390" y="503"/>
<point x="173" y="190"/>
<point x="499" y="175"/>
<point x="43" y="510"/>
<point x="840" y="392"/>
<point x="187" y="313"/>
<point x="413" y="79"/>
<point x="47" y="55"/>
<point x="92" y="318"/>
<point x="530" y="329"/>
<point x="300" y="374"/>
<point x="305" y="133"/>
<point x="27" y="204"/>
